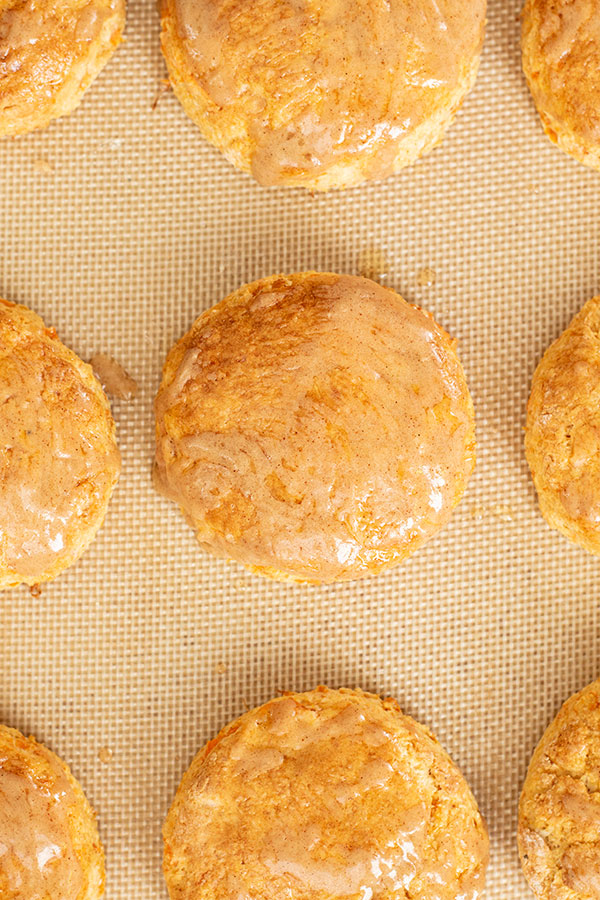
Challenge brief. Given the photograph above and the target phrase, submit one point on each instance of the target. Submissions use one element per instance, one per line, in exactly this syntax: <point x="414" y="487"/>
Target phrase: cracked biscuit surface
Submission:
<point x="322" y="95"/>
<point x="559" y="810"/>
<point x="562" y="435"/>
<point x="325" y="794"/>
<point x="314" y="427"/>
<point x="561" y="61"/>
<point x="59" y="460"/>
<point x="50" y="52"/>
<point x="49" y="844"/>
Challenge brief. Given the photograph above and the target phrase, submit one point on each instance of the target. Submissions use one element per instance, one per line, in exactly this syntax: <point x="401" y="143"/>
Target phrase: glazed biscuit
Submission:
<point x="562" y="435"/>
<point x="50" y="52"/>
<point x="314" y="427"/>
<point x="322" y="96"/>
<point x="327" y="794"/>
<point x="58" y="456"/>
<point x="561" y="61"/>
<point x="49" y="844"/>
<point x="559" y="810"/>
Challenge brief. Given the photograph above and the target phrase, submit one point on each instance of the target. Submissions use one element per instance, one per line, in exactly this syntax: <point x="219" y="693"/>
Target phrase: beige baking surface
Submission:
<point x="119" y="225"/>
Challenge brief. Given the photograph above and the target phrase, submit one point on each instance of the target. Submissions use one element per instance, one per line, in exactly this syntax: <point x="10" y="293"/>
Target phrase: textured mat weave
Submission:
<point x="119" y="225"/>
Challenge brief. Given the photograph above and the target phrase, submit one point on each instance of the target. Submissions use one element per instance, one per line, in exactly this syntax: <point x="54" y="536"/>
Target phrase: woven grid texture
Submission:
<point x="119" y="225"/>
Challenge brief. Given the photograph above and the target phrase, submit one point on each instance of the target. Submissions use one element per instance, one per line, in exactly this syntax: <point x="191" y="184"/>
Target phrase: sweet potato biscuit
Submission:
<point x="49" y="844"/>
<point x="559" y="811"/>
<point x="314" y="427"/>
<point x="561" y="61"/>
<point x="59" y="460"/>
<point x="50" y="52"/>
<point x="322" y="95"/>
<point x="322" y="795"/>
<point x="562" y="437"/>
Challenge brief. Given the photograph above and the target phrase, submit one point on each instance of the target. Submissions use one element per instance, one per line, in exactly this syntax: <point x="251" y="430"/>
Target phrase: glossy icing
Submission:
<point x="318" y="81"/>
<point x="319" y="425"/>
<point x="58" y="457"/>
<point x="50" y="51"/>
<point x="37" y="858"/>
<point x="344" y="809"/>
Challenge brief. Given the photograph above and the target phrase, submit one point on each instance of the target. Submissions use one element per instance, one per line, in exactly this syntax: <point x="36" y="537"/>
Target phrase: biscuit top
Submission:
<point x="58" y="456"/>
<point x="559" y="811"/>
<point x="561" y="40"/>
<point x="37" y="857"/>
<point x="25" y="25"/>
<point x="563" y="429"/>
<point x="319" y="80"/>
<point x="322" y="795"/>
<point x="318" y="424"/>
<point x="44" y="41"/>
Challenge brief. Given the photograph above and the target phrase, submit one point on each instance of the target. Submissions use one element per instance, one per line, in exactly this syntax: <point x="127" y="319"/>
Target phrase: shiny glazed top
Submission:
<point x="43" y="44"/>
<point x="314" y="426"/>
<point x="561" y="44"/>
<point x="58" y="456"/>
<point x="559" y="810"/>
<point x="322" y="795"/>
<point x="37" y="857"/>
<point x="317" y="80"/>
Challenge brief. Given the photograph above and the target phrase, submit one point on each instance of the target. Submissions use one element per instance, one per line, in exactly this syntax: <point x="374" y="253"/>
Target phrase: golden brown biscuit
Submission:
<point x="314" y="427"/>
<point x="49" y="844"/>
<point x="559" y="811"/>
<point x="327" y="794"/>
<point x="561" y="61"/>
<point x="322" y="95"/>
<point x="50" y="52"/>
<point x="562" y="437"/>
<point x="58" y="457"/>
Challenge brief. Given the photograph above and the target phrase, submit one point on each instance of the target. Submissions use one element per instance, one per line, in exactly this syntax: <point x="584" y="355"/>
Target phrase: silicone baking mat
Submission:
<point x="120" y="225"/>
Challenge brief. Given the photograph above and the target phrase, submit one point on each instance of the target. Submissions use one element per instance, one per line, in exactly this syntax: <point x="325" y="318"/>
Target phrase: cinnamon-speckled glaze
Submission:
<point x="322" y="94"/>
<point x="59" y="460"/>
<point x="49" y="845"/>
<point x="314" y="427"/>
<point x="50" y="52"/>
<point x="322" y="795"/>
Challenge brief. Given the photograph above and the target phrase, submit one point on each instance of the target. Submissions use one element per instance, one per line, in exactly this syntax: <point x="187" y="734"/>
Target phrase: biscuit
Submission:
<point x="561" y="60"/>
<point x="50" y="52"/>
<point x="59" y="460"/>
<point x="559" y="810"/>
<point x="327" y="794"/>
<point x="49" y="844"/>
<point x="562" y="435"/>
<point x="322" y="96"/>
<point x="314" y="427"/>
